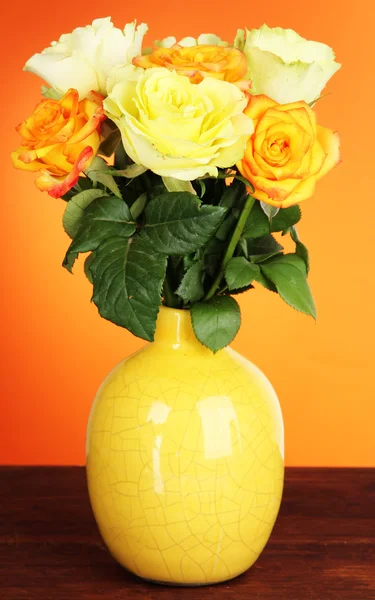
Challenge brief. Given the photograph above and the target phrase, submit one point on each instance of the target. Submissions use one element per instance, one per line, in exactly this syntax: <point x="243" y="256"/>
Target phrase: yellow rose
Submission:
<point x="198" y="62"/>
<point x="60" y="140"/>
<point x="287" y="153"/>
<point x="176" y="128"/>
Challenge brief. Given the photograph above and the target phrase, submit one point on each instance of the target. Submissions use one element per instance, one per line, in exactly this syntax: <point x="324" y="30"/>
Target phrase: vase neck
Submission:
<point x="174" y="329"/>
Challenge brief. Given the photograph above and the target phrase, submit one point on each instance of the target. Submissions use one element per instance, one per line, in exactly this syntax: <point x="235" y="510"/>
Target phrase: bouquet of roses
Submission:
<point x="178" y="164"/>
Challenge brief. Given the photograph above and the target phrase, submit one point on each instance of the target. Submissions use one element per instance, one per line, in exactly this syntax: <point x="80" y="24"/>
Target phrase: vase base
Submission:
<point x="190" y="585"/>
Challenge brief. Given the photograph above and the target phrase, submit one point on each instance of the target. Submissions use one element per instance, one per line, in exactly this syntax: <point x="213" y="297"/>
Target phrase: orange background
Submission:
<point x="56" y="350"/>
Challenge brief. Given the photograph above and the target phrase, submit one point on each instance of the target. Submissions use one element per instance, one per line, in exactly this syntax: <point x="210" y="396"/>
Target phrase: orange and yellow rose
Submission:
<point x="288" y="152"/>
<point x="60" y="139"/>
<point x="198" y="62"/>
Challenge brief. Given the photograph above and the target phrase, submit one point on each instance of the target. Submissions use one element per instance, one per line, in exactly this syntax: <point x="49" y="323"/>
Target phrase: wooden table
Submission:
<point x="322" y="547"/>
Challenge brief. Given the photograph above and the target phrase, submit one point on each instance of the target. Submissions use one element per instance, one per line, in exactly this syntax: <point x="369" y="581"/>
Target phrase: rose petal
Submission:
<point x="303" y="191"/>
<point x="330" y="142"/>
<point x="34" y="165"/>
<point x="90" y="126"/>
<point x="69" y="102"/>
<point x="58" y="187"/>
<point x="258" y="105"/>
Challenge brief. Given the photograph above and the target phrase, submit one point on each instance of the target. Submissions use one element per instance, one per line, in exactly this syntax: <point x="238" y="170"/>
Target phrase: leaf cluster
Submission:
<point x="155" y="240"/>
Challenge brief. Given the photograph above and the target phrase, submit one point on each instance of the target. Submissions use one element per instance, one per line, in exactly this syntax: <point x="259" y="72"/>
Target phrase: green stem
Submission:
<point x="231" y="246"/>
<point x="170" y="298"/>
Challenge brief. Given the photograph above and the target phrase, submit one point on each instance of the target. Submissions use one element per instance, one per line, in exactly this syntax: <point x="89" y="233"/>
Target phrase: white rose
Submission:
<point x="83" y="59"/>
<point x="284" y="66"/>
<point x="177" y="128"/>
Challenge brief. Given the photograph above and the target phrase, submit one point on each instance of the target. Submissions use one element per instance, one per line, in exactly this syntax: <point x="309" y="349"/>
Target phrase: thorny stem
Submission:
<point x="170" y="298"/>
<point x="231" y="246"/>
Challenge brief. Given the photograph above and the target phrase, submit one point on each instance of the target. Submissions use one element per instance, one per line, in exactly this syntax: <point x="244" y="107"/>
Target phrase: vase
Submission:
<point x="185" y="459"/>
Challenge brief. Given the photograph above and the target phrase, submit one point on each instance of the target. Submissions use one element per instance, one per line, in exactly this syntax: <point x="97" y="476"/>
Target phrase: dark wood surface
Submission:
<point x="322" y="546"/>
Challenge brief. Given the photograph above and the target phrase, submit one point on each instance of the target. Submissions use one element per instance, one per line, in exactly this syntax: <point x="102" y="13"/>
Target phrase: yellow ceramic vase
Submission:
<point x="185" y="459"/>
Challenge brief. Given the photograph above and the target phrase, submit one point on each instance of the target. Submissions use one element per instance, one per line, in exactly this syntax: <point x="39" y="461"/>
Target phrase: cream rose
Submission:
<point x="83" y="59"/>
<point x="284" y="66"/>
<point x="176" y="128"/>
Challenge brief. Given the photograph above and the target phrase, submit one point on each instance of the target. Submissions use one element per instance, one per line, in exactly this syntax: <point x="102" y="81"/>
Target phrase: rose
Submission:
<point x="198" y="62"/>
<point x="176" y="128"/>
<point x="83" y="59"/>
<point x="284" y="66"/>
<point x="60" y="139"/>
<point x="287" y="153"/>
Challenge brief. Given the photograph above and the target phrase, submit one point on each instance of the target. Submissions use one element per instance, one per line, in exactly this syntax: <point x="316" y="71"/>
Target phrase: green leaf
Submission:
<point x="216" y="322"/>
<point x="138" y="206"/>
<point x="286" y="217"/>
<point x="87" y="266"/>
<point x="313" y="102"/>
<point x="70" y="193"/>
<point x="301" y="249"/>
<point x="75" y="209"/>
<point x="257" y="224"/>
<point x="129" y="172"/>
<point x="264" y="245"/>
<point x="226" y="175"/>
<point x="110" y="143"/>
<point x="69" y="261"/>
<point x="242" y="247"/>
<point x="157" y="189"/>
<point x="259" y="258"/>
<point x="50" y="92"/>
<point x="290" y="259"/>
<point x="266" y="283"/>
<point x="83" y="184"/>
<point x="229" y="196"/>
<point x="246" y="182"/>
<point x="189" y="260"/>
<point x="107" y="127"/>
<point x="239" y="273"/>
<point x="291" y="284"/>
<point x="202" y="186"/>
<point x="128" y="279"/>
<point x="98" y="171"/>
<point x="241" y="290"/>
<point x="177" y="185"/>
<point x="226" y="227"/>
<point x="212" y="255"/>
<point x="270" y="211"/>
<point x="191" y="286"/>
<point x="104" y="218"/>
<point x="121" y="159"/>
<point x="176" y="223"/>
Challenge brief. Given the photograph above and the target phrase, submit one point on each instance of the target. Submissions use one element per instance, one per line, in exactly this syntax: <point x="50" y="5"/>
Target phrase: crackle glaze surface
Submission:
<point x="185" y="459"/>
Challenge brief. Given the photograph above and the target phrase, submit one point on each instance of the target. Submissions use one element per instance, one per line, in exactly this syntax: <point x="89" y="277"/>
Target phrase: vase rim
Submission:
<point x="170" y="309"/>
<point x="174" y="328"/>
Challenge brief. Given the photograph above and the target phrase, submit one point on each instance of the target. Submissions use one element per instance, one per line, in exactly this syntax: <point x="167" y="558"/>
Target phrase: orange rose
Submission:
<point x="198" y="62"/>
<point x="60" y="140"/>
<point x="287" y="153"/>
